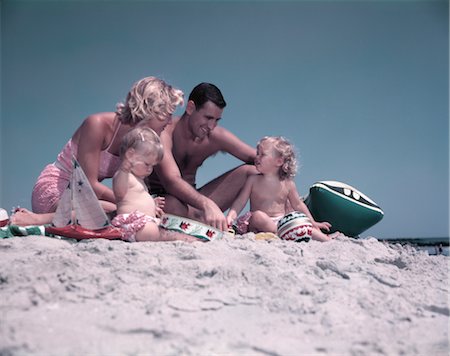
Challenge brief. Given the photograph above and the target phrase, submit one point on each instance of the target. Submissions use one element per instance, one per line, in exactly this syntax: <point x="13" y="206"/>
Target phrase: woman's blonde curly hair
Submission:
<point x="149" y="98"/>
<point x="284" y="149"/>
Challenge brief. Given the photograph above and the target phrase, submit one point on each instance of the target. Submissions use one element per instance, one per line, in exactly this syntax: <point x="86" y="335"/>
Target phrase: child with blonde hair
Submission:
<point x="272" y="190"/>
<point x="140" y="151"/>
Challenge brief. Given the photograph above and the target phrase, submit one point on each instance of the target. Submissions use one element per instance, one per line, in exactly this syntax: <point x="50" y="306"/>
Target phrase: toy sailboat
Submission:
<point x="79" y="214"/>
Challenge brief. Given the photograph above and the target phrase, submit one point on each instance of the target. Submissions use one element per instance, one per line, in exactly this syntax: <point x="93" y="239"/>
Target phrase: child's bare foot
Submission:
<point x="24" y="217"/>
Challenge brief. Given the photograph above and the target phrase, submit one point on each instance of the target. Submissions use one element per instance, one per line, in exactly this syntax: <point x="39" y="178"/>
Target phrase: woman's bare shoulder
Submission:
<point x="98" y="125"/>
<point x="101" y="119"/>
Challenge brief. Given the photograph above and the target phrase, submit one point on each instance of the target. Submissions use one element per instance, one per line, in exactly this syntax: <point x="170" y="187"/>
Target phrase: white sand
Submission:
<point x="235" y="296"/>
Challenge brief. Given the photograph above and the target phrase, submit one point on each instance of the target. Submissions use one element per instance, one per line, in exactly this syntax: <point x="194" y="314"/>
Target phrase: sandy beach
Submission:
<point x="233" y="296"/>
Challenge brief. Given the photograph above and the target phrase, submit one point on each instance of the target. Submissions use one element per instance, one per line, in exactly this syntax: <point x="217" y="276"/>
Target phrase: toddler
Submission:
<point x="272" y="191"/>
<point x="141" y="149"/>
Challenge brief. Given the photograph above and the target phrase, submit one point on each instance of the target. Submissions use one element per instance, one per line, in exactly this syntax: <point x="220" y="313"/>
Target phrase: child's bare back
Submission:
<point x="136" y="198"/>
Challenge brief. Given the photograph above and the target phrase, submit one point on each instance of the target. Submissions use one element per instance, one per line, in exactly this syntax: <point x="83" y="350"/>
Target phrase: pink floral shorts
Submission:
<point x="130" y="224"/>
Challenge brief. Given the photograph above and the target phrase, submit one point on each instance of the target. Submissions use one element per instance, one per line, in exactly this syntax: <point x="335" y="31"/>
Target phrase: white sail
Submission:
<point x="80" y="198"/>
<point x="63" y="214"/>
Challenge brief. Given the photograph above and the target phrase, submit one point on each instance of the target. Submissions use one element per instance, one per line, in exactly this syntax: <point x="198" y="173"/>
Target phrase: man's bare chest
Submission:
<point x="191" y="154"/>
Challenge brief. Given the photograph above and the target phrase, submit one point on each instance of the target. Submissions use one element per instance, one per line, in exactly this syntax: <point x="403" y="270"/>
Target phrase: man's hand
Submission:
<point x="214" y="216"/>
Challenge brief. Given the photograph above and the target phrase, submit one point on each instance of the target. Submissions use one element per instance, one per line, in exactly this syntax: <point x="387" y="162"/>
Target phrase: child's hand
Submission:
<point x="229" y="221"/>
<point x="159" y="212"/>
<point x="323" y="225"/>
<point x="160" y="202"/>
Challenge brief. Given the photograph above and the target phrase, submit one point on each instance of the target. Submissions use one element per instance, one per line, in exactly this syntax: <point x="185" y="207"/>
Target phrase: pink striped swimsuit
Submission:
<point x="55" y="177"/>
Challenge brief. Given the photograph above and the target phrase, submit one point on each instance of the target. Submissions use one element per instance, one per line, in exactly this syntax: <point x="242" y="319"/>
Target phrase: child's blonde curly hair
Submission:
<point x="143" y="139"/>
<point x="284" y="149"/>
<point x="149" y="98"/>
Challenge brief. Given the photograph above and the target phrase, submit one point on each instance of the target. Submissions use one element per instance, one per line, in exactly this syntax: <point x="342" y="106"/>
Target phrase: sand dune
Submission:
<point x="234" y="296"/>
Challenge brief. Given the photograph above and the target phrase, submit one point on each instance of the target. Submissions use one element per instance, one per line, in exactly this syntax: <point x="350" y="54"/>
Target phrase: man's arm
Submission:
<point x="230" y="143"/>
<point x="170" y="176"/>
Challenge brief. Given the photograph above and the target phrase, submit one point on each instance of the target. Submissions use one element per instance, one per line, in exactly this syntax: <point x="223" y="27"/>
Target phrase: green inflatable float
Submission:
<point x="344" y="207"/>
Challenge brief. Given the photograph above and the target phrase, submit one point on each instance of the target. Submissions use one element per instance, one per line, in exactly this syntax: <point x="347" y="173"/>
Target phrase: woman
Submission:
<point x="95" y="144"/>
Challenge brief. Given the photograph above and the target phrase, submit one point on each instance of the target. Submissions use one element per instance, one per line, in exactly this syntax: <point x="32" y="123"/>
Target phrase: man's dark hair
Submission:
<point x="207" y="92"/>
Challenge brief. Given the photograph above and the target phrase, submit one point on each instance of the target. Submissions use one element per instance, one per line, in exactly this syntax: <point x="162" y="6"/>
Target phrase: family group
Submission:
<point x="153" y="158"/>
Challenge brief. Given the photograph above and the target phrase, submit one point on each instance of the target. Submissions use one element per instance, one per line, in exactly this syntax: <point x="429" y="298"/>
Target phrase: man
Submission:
<point x="187" y="142"/>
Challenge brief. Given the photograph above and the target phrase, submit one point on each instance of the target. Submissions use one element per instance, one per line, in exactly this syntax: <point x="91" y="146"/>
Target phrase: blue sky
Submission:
<point x="360" y="87"/>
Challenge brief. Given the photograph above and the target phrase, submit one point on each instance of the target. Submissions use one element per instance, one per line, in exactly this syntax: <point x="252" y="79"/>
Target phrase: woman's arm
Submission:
<point x="92" y="137"/>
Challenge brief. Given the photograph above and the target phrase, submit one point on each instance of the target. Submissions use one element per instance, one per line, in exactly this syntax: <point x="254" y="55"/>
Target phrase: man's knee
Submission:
<point x="247" y="169"/>
<point x="175" y="206"/>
